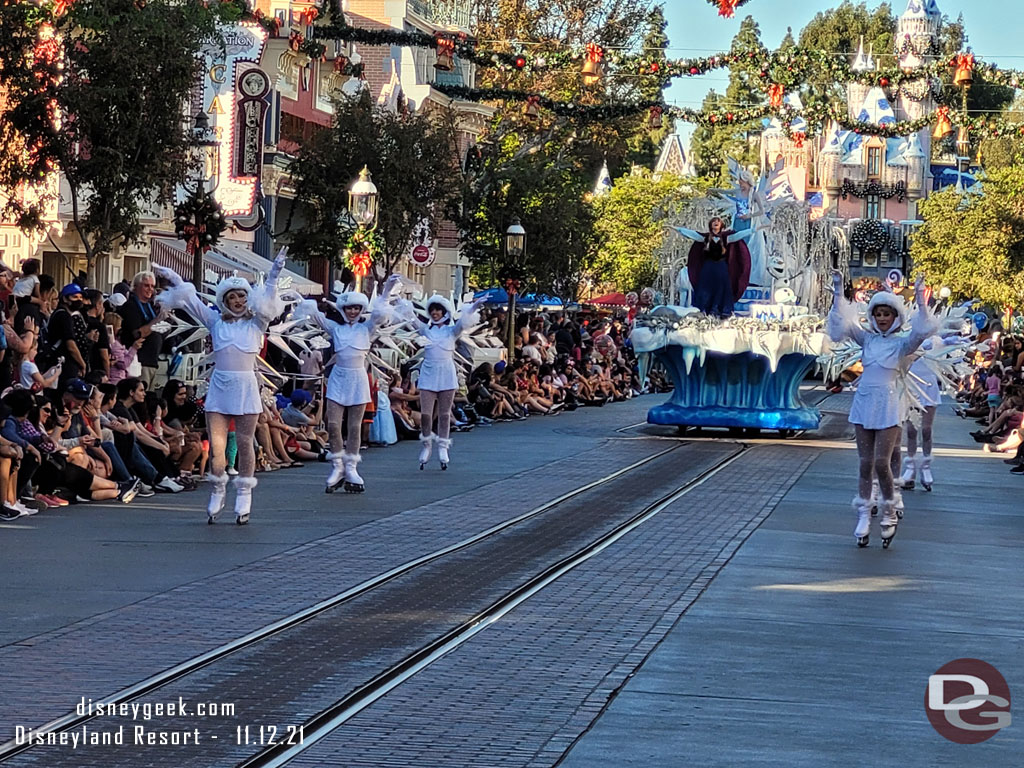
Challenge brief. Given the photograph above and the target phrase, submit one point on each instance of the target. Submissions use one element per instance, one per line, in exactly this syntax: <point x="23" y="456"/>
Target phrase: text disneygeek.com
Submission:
<point x="143" y="732"/>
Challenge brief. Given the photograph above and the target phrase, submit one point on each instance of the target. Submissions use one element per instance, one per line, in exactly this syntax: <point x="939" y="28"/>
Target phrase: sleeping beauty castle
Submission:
<point x="872" y="186"/>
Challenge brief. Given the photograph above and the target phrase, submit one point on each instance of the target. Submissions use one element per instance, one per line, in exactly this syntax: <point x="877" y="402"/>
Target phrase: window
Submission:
<point x="874" y="162"/>
<point x="873" y="207"/>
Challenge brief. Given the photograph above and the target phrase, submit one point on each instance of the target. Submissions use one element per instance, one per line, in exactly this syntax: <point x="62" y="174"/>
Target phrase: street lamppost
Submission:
<point x="199" y="219"/>
<point x="515" y="247"/>
<point x="363" y="204"/>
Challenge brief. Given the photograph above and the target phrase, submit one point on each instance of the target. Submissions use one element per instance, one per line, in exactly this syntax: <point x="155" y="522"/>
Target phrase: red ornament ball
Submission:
<point x="655" y="67"/>
<point x="694" y="71"/>
<point x="520" y="62"/>
<point x="884" y="82"/>
<point x="729" y="117"/>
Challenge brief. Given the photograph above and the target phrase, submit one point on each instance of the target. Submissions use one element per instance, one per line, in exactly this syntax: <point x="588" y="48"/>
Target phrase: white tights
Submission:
<point x="336" y="412"/>
<point x="443" y="402"/>
<point x="927" y="420"/>
<point x="245" y="431"/>
<point x="878" y="450"/>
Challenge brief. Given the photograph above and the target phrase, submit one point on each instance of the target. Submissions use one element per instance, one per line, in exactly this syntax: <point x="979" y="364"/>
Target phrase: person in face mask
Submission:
<point x="66" y="332"/>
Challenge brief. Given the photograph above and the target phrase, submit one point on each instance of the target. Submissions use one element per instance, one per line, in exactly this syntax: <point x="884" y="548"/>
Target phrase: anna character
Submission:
<point x="718" y="267"/>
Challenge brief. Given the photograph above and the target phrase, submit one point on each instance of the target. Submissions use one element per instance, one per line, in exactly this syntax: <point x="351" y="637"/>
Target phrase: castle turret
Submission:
<point x="917" y="34"/>
<point x="856" y="92"/>
<point x="830" y="162"/>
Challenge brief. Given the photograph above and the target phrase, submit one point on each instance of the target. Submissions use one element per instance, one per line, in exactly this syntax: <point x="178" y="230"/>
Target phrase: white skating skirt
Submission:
<point x="233" y="393"/>
<point x="438" y="376"/>
<point x="348" y="386"/>
<point x="875" y="406"/>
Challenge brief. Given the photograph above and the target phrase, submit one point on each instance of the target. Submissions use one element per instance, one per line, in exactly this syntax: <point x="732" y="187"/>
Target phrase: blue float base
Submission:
<point x="738" y="390"/>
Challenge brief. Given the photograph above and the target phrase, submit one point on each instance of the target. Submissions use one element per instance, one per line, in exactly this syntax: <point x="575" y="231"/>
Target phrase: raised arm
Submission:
<point x="737" y="236"/>
<point x="469" y="318"/>
<point x="308" y="310"/>
<point x="381" y="309"/>
<point x="182" y="295"/>
<point x="843" y="320"/>
<point x="267" y="303"/>
<point x="692" y="234"/>
<point x="924" y="324"/>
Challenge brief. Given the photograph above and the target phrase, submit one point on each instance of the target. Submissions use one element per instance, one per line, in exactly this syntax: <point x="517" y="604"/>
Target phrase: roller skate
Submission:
<point x="243" y="498"/>
<point x="889" y="523"/>
<point x="906" y="481"/>
<point x="427" y="441"/>
<point x="926" y="472"/>
<point x="863" y="530"/>
<point x="353" y="482"/>
<point x="337" y="475"/>
<point x="443" y="444"/>
<point x="218" y="492"/>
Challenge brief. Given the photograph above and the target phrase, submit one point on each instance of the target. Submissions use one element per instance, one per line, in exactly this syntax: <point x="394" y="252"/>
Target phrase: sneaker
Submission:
<point x="31" y="503"/>
<point x="168" y="486"/>
<point x="9" y="513"/>
<point x="145" y="491"/>
<point x="128" y="490"/>
<point x="53" y="502"/>
<point x="24" y="508"/>
<point x="1018" y="470"/>
<point x="232" y="471"/>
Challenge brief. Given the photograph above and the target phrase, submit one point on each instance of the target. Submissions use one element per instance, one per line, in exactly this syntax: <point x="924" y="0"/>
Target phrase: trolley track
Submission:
<point x="362" y="695"/>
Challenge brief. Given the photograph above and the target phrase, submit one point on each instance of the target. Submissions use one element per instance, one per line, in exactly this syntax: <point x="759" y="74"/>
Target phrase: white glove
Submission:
<point x="167" y="274"/>
<point x="279" y="261"/>
<point x="919" y="287"/>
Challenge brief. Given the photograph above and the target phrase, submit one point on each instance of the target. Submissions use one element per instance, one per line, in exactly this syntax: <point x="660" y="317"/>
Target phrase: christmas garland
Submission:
<point x="813" y="116"/>
<point x="874" y="188"/>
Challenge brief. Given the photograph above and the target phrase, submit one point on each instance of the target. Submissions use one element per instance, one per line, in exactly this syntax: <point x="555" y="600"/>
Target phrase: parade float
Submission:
<point x="748" y="325"/>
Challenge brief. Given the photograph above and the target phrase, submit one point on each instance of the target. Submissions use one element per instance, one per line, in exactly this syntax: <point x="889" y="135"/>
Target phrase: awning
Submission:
<point x="173" y="255"/>
<point x="609" y="300"/>
<point x="246" y="260"/>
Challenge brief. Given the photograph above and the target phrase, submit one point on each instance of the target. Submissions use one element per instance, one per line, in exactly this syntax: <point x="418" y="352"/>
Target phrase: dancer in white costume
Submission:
<point x="438" y="377"/>
<point x="876" y="411"/>
<point x="348" y="387"/>
<point x="929" y="397"/>
<point x="237" y="333"/>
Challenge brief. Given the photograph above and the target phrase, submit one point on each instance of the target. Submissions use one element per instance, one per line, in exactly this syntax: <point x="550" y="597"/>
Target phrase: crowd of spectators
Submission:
<point x="993" y="395"/>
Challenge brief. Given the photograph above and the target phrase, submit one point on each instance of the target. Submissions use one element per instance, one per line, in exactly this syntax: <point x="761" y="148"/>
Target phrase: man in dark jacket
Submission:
<point x="139" y="315"/>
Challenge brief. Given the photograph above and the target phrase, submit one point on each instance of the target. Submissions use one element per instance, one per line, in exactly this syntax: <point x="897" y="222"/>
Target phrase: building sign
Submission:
<point x="232" y="96"/>
<point x="422" y="253"/>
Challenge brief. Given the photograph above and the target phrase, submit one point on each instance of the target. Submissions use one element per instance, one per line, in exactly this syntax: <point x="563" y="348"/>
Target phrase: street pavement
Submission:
<point x="740" y="626"/>
<point x="808" y="651"/>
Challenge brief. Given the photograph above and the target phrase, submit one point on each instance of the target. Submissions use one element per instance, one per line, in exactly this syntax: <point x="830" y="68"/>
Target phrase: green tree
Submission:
<point x="712" y="145"/>
<point x="97" y="95"/>
<point x="631" y="226"/>
<point x="412" y="159"/>
<point x="645" y="144"/>
<point x="544" y="186"/>
<point x="975" y="244"/>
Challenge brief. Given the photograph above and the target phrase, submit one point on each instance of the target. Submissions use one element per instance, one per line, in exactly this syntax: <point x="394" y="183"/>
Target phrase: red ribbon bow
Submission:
<point x="361" y="263"/>
<point x="594" y="52"/>
<point x="445" y="45"/>
<point x="61" y="7"/>
<point x="775" y="95"/>
<point x="798" y="139"/>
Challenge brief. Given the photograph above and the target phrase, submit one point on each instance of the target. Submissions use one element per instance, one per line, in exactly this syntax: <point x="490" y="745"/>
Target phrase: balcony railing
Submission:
<point x="443" y="13"/>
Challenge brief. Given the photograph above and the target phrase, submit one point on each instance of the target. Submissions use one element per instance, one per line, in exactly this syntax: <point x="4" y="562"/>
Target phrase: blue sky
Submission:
<point x="994" y="29"/>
